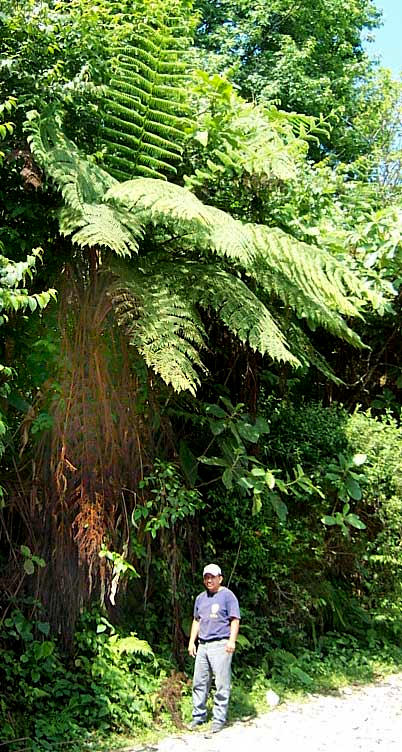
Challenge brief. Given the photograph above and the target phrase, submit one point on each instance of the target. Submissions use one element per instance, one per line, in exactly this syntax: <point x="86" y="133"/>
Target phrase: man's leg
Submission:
<point x="221" y="663"/>
<point x="201" y="684"/>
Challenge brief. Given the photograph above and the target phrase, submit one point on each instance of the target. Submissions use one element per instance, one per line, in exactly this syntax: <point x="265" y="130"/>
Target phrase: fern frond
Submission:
<point x="234" y="303"/>
<point x="207" y="228"/>
<point x="308" y="279"/>
<point x="83" y="185"/>
<point x="103" y="226"/>
<point x="145" y="110"/>
<point x="161" y="324"/>
<point x="307" y="354"/>
<point x="320" y="276"/>
<point x="158" y="305"/>
<point x="79" y="180"/>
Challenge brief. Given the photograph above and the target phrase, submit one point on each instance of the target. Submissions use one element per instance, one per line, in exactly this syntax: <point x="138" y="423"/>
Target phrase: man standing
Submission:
<point x="216" y="625"/>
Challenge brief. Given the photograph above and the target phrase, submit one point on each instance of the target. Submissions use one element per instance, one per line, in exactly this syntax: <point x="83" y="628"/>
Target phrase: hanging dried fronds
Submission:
<point x="87" y="468"/>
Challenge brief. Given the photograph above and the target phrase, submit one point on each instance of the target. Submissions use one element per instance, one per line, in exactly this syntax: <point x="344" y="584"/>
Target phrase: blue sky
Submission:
<point x="387" y="44"/>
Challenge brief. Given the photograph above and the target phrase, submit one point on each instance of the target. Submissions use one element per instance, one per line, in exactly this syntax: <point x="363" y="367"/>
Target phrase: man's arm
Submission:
<point x="195" y="628"/>
<point x="234" y="631"/>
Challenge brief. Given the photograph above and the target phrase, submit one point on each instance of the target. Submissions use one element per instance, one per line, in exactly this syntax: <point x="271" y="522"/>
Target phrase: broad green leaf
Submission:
<point x="133" y="644"/>
<point x="355" y="521"/>
<point x="227" y="478"/>
<point x="262" y="425"/>
<point x="354" y="489"/>
<point x="248" y="432"/>
<point x="216" y="411"/>
<point x="258" y="472"/>
<point x="217" y="461"/>
<point x="257" y="504"/>
<point x="279" y="506"/>
<point x="244" y="483"/>
<point x="217" y="427"/>
<point x="43" y="627"/>
<point x="29" y="567"/>
<point x="270" y="479"/>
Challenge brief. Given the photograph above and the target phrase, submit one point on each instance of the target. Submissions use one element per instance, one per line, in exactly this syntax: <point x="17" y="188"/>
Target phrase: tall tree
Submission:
<point x="306" y="56"/>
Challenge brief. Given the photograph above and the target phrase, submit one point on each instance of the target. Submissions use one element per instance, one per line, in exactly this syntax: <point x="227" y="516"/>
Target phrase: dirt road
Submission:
<point x="355" y="719"/>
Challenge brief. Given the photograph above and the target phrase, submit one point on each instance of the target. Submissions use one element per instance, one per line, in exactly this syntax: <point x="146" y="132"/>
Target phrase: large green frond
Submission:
<point x="162" y="324"/>
<point x="145" y="110"/>
<point x="79" y="180"/>
<point x="207" y="228"/>
<point x="158" y="304"/>
<point x="234" y="304"/>
<point x="313" y="283"/>
<point x="83" y="185"/>
<point x="313" y="270"/>
<point x="306" y="353"/>
<point x="103" y="226"/>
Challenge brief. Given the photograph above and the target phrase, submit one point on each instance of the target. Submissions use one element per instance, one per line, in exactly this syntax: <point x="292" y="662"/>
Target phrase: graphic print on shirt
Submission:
<point x="214" y="611"/>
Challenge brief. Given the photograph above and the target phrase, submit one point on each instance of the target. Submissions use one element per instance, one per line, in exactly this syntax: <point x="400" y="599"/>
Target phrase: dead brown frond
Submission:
<point x="170" y="694"/>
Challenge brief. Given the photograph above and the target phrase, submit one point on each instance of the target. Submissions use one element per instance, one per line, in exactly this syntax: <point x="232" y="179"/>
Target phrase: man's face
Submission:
<point x="212" y="582"/>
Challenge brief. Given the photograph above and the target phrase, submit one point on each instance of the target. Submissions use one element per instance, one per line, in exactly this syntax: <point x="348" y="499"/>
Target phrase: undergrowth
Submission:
<point x="115" y="691"/>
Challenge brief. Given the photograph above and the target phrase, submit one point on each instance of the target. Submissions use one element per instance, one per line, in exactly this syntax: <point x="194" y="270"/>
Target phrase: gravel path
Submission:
<point x="354" y="719"/>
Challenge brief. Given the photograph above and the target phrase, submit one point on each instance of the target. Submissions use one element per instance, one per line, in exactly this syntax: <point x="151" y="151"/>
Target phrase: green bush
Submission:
<point x="299" y="578"/>
<point x="110" y="683"/>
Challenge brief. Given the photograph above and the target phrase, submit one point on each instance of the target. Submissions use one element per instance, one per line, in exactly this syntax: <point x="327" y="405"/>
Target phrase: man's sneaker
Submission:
<point x="216" y="727"/>
<point x="194" y="725"/>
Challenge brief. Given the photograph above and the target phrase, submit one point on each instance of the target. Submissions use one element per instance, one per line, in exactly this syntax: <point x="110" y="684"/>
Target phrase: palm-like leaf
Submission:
<point x="158" y="302"/>
<point x="145" y="104"/>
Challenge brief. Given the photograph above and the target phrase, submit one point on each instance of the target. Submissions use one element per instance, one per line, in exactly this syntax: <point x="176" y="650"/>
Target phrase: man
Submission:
<point x="216" y="626"/>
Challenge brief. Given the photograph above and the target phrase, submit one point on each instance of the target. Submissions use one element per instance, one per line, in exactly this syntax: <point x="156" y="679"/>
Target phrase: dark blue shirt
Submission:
<point x="215" y="611"/>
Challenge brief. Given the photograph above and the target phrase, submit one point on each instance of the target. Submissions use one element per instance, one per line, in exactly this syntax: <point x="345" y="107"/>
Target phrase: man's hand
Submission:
<point x="192" y="650"/>
<point x="230" y="646"/>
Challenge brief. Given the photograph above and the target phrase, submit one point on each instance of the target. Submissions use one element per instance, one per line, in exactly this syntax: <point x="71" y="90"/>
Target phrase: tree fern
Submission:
<point x="145" y="107"/>
<point x="206" y="259"/>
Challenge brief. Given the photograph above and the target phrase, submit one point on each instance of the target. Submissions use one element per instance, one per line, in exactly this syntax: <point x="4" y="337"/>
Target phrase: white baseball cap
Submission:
<point x="212" y="569"/>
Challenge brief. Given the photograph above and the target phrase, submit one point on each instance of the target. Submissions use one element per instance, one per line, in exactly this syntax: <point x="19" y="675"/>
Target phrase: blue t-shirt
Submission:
<point x="215" y="611"/>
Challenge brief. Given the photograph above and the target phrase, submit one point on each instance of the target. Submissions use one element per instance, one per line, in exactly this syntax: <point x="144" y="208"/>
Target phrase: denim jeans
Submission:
<point x="212" y="660"/>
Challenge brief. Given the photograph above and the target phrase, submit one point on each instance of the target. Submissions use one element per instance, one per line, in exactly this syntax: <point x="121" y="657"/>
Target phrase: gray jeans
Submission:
<point x="212" y="660"/>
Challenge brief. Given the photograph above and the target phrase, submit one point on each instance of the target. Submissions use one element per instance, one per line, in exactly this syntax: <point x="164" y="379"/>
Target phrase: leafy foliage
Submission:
<point x="309" y="58"/>
<point x="116" y="684"/>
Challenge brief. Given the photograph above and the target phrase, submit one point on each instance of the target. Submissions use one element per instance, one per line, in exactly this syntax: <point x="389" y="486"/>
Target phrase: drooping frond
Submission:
<point x="317" y="286"/>
<point x="161" y="324"/>
<point x="206" y="227"/>
<point x="158" y="304"/>
<point x="145" y="105"/>
<point x="83" y="184"/>
<point x="80" y="180"/>
<point x="209" y="286"/>
<point x="302" y="347"/>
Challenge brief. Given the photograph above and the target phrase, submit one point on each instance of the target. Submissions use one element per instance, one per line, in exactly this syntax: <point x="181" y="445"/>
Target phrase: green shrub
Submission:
<point x="110" y="683"/>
